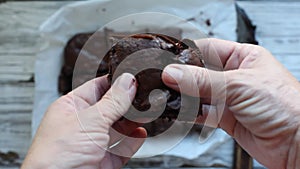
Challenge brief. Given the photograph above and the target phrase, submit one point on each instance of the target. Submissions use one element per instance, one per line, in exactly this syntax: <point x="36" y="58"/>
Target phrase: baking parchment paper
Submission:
<point x="89" y="16"/>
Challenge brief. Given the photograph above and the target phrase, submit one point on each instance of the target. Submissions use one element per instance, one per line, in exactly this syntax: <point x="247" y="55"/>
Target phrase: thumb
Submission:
<point x="116" y="102"/>
<point x="195" y="81"/>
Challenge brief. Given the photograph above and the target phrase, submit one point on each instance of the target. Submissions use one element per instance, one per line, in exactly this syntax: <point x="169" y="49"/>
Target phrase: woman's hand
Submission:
<point x="262" y="99"/>
<point x="82" y="128"/>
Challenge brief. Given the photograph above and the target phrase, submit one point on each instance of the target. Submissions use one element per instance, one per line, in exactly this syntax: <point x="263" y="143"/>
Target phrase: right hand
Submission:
<point x="262" y="107"/>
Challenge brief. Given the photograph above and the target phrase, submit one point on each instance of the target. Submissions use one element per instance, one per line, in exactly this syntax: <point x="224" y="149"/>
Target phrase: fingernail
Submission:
<point x="173" y="75"/>
<point x="126" y="81"/>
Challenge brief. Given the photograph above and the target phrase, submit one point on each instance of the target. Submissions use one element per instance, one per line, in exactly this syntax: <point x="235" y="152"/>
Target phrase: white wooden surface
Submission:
<point x="19" y="42"/>
<point x="278" y="29"/>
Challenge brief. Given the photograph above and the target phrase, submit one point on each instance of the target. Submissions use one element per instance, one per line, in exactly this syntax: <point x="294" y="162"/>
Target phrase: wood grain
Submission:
<point x="19" y="37"/>
<point x="19" y="43"/>
<point x="278" y="30"/>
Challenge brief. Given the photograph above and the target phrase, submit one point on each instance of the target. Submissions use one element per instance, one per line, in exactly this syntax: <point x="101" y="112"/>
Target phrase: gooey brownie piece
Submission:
<point x="145" y="56"/>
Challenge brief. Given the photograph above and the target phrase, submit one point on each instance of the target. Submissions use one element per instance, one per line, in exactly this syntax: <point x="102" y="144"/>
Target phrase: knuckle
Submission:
<point x="199" y="76"/>
<point x="249" y="50"/>
<point x="233" y="79"/>
<point x="238" y="82"/>
<point x="197" y="82"/>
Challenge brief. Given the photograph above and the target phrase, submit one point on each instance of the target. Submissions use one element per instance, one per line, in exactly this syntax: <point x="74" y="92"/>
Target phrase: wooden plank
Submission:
<point x="15" y="77"/>
<point x="274" y="18"/>
<point x="19" y="43"/>
<point x="16" y="101"/>
<point x="16" y="67"/>
<point x="19" y="37"/>
<point x="17" y="93"/>
<point x="278" y="30"/>
<point x="15" y="132"/>
<point x="288" y="45"/>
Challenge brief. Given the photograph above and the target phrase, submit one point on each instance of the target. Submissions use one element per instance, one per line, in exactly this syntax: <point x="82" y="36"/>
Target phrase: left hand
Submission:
<point x="79" y="128"/>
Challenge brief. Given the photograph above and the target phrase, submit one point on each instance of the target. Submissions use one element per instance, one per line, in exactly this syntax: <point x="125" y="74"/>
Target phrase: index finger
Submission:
<point x="216" y="52"/>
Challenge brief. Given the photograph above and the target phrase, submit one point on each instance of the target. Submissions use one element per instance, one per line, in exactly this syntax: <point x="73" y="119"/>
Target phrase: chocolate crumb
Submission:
<point x="208" y="23"/>
<point x="191" y="19"/>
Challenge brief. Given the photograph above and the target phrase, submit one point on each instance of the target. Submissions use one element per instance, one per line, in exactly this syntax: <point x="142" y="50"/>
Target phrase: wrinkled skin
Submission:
<point x="262" y="107"/>
<point x="76" y="130"/>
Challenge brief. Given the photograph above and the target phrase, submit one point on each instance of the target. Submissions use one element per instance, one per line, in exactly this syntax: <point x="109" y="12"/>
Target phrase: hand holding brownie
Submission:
<point x="262" y="108"/>
<point x="262" y="111"/>
<point x="76" y="130"/>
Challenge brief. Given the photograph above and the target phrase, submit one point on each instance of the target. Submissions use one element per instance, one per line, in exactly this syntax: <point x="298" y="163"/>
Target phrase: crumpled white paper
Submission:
<point x="89" y="16"/>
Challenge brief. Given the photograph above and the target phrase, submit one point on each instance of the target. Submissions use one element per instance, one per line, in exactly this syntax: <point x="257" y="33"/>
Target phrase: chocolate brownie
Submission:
<point x="91" y="56"/>
<point x="148" y="54"/>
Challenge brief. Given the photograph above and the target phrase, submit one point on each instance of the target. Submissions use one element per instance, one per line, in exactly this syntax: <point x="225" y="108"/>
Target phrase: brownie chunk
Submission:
<point x="145" y="56"/>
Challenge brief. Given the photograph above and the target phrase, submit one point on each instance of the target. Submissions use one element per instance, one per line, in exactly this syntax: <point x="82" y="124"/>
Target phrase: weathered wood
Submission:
<point x="15" y="117"/>
<point x="19" y="43"/>
<point x="19" y="37"/>
<point x="282" y="44"/>
<point x="17" y="97"/>
<point x="278" y="30"/>
<point x="274" y="18"/>
<point x="15" y="132"/>
<point x="241" y="158"/>
<point x="16" y="67"/>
